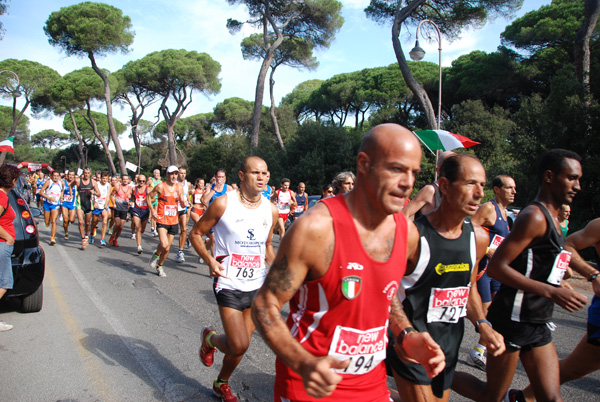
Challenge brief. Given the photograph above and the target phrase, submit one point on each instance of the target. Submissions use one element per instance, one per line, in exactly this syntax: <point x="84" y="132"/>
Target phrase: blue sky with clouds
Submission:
<point x="200" y="25"/>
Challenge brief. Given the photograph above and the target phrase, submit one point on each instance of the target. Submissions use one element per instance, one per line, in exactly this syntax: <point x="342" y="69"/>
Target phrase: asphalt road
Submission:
<point x="112" y="330"/>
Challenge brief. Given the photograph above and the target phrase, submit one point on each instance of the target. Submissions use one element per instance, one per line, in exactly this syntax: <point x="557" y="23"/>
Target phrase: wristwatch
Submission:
<point x="479" y="322"/>
<point x="594" y="276"/>
<point x="402" y="334"/>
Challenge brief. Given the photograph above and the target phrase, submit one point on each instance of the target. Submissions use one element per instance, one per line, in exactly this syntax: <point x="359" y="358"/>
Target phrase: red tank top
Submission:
<point x="140" y="198"/>
<point x="345" y="313"/>
<point x="167" y="205"/>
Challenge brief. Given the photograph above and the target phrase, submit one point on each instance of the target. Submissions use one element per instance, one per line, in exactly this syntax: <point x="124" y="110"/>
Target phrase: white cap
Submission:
<point x="172" y="168"/>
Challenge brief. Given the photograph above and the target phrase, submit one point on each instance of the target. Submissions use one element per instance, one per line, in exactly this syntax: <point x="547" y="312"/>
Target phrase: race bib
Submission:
<point x="197" y="198"/>
<point x="448" y="305"/>
<point x="365" y="349"/>
<point x="559" y="268"/>
<point x="141" y="202"/>
<point x="170" y="210"/>
<point x="68" y="198"/>
<point x="299" y="209"/>
<point x="245" y="266"/>
<point x="496" y="242"/>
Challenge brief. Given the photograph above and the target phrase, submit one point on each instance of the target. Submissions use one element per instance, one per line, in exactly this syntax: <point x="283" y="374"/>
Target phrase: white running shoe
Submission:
<point x="154" y="233"/>
<point x="180" y="256"/>
<point x="5" y="327"/>
<point x="133" y="236"/>
<point x="160" y="272"/>
<point x="140" y="250"/>
<point x="477" y="359"/>
<point x="154" y="260"/>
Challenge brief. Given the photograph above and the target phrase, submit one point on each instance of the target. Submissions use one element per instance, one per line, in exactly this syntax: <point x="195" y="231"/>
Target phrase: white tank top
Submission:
<point x="186" y="190"/>
<point x="284" y="201"/>
<point x="101" y="200"/>
<point x="54" y="190"/>
<point x="240" y="244"/>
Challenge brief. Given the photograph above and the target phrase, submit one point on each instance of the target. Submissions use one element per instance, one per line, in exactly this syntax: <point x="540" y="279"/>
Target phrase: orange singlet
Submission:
<point x="167" y="206"/>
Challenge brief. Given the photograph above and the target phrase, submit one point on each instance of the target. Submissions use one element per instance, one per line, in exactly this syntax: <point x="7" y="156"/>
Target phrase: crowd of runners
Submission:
<point x="370" y="291"/>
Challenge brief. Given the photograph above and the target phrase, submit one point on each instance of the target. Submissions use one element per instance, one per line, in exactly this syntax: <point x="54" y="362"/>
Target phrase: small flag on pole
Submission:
<point x="443" y="140"/>
<point x="130" y="166"/>
<point x="7" y="145"/>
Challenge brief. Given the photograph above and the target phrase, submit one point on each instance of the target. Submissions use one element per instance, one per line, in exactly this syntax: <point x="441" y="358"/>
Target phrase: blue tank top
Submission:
<point x="500" y="228"/>
<point x="217" y="194"/>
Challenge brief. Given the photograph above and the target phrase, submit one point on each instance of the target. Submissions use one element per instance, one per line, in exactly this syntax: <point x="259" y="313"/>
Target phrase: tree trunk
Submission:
<point x="582" y="45"/>
<point x="111" y="164"/>
<point x="273" y="116"/>
<point x="417" y="89"/>
<point x="82" y="162"/>
<point x="109" y="114"/>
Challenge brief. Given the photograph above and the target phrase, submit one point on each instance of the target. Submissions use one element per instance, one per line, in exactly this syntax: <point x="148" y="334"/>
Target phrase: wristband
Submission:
<point x="401" y="335"/>
<point x="479" y="322"/>
<point x="487" y="250"/>
<point x="594" y="276"/>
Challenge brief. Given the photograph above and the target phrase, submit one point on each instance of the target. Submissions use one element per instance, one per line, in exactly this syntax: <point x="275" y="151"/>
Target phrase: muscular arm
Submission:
<point x="288" y="272"/>
<point x="270" y="251"/>
<point x="529" y="228"/>
<point x="150" y="198"/>
<point x="423" y="197"/>
<point x="587" y="237"/>
<point x="209" y="219"/>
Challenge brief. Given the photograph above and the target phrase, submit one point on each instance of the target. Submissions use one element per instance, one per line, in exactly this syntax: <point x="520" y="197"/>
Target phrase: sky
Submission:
<point x="200" y="25"/>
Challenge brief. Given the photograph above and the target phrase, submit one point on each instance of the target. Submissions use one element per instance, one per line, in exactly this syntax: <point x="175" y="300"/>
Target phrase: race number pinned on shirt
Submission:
<point x="496" y="242"/>
<point x="170" y="210"/>
<point x="365" y="349"/>
<point x="447" y="305"/>
<point x="559" y="268"/>
<point x="245" y="266"/>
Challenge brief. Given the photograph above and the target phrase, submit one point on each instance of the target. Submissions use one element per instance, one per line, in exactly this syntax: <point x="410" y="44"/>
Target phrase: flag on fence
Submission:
<point x="7" y="145"/>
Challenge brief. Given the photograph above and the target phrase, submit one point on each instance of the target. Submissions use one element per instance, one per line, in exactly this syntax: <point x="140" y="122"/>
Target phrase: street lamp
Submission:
<point x="15" y="93"/>
<point x="417" y="54"/>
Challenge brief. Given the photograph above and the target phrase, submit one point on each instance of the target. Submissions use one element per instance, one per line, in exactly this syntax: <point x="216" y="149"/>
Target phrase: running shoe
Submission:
<point x="111" y="240"/>
<point x="84" y="242"/>
<point x="110" y="231"/>
<point x="223" y="390"/>
<point x="133" y="236"/>
<point x="60" y="218"/>
<point x="91" y="239"/>
<point x="52" y="241"/>
<point x="180" y="256"/>
<point x="140" y="250"/>
<point x="115" y="244"/>
<point x="477" y="358"/>
<point x="514" y="395"/>
<point x="67" y="236"/>
<point x="154" y="233"/>
<point x="153" y="260"/>
<point x="102" y="242"/>
<point x="5" y="327"/>
<point x="188" y="244"/>
<point x="160" y="271"/>
<point x="207" y="353"/>
<point x="94" y="234"/>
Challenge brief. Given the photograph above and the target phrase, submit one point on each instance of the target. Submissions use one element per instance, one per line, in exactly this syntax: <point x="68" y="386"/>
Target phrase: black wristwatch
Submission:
<point x="594" y="276"/>
<point x="402" y="334"/>
<point x="479" y="322"/>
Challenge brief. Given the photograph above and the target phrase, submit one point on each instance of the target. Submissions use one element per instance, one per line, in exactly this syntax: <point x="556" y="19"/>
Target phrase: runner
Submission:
<point x="121" y="194"/>
<point x="52" y="192"/>
<point x="493" y="218"/>
<point x="197" y="206"/>
<point x="39" y="183"/>
<point x="439" y="287"/>
<point x="155" y="180"/>
<point x="68" y="206"/>
<point x="87" y="188"/>
<point x="140" y="211"/>
<point x="100" y="203"/>
<point x="114" y="181"/>
<point x="342" y="283"/>
<point x="170" y="195"/>
<point x="243" y="222"/>
<point x="183" y="213"/>
<point x="217" y="189"/>
<point x="285" y="199"/>
<point x="301" y="201"/>
<point x="530" y="264"/>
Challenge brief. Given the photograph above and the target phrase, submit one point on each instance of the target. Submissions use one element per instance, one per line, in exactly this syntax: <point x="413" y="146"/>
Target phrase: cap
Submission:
<point x="172" y="168"/>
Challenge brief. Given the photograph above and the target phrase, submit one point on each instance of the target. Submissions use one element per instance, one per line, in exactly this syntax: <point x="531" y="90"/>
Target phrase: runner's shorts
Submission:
<point x="235" y="299"/>
<point x="171" y="229"/>
<point x="50" y="207"/>
<point x="142" y="213"/>
<point x="120" y="214"/>
<point x="70" y="205"/>
<point x="98" y="211"/>
<point x="522" y="336"/>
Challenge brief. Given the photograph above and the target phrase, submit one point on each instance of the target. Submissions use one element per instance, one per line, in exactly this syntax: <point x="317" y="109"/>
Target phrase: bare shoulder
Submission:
<point x="486" y="214"/>
<point x="530" y="223"/>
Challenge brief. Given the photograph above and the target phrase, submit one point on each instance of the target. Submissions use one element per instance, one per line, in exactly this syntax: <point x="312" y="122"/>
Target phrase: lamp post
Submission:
<point x="417" y="54"/>
<point x="15" y="93"/>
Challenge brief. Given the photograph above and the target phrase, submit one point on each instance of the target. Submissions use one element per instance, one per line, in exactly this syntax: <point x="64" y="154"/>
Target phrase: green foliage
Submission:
<point x="77" y="88"/>
<point x="89" y="28"/>
<point x="293" y="51"/>
<point x="233" y="115"/>
<point x="85" y="126"/>
<point x="225" y="151"/>
<point x="49" y="138"/>
<point x="26" y="153"/>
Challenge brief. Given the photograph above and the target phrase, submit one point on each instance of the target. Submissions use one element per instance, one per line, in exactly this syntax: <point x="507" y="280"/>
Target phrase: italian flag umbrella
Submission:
<point x="443" y="140"/>
<point x="7" y="145"/>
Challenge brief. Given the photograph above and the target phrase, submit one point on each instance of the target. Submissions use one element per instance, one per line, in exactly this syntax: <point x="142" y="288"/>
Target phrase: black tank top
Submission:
<point x="539" y="263"/>
<point x="85" y="194"/>
<point x="435" y="294"/>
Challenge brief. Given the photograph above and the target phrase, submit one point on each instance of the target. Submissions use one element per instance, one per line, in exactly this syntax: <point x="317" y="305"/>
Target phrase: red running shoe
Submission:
<point x="111" y="240"/>
<point x="207" y="353"/>
<point x="223" y="391"/>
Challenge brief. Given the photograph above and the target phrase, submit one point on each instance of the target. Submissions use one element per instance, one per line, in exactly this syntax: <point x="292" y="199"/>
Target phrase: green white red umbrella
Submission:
<point x="443" y="140"/>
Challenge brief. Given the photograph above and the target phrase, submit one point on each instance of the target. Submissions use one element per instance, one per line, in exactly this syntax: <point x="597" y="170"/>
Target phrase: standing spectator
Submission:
<point x="343" y="182"/>
<point x="563" y="218"/>
<point x="8" y="180"/>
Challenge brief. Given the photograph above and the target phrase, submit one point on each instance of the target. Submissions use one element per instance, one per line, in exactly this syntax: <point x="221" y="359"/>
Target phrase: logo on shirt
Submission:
<point x="442" y="269"/>
<point x="354" y="266"/>
<point x="351" y="286"/>
<point x="250" y="234"/>
<point x="390" y="290"/>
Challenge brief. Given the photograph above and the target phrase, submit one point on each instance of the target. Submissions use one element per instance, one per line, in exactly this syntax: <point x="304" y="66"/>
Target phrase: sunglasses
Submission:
<point x="329" y="191"/>
<point x="141" y="181"/>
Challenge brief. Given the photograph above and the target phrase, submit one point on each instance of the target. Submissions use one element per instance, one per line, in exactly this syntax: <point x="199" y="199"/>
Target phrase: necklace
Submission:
<point x="247" y="201"/>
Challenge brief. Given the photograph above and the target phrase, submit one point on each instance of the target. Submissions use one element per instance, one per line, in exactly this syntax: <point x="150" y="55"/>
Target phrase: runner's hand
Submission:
<point x="419" y="347"/>
<point x="568" y="299"/>
<point x="216" y="270"/>
<point x="319" y="379"/>
<point x="492" y="340"/>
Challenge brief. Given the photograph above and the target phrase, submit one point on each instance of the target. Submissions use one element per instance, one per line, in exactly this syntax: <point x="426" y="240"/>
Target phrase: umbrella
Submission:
<point x="442" y="140"/>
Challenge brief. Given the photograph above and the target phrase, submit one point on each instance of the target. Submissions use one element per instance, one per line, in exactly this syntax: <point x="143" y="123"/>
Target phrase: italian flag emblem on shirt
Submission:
<point x="351" y="286"/>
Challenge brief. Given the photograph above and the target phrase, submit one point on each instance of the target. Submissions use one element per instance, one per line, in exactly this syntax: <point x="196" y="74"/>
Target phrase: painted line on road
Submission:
<point x="160" y="379"/>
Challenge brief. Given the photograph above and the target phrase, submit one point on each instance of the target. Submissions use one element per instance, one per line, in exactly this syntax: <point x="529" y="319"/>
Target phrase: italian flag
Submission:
<point x="443" y="140"/>
<point x="7" y="145"/>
